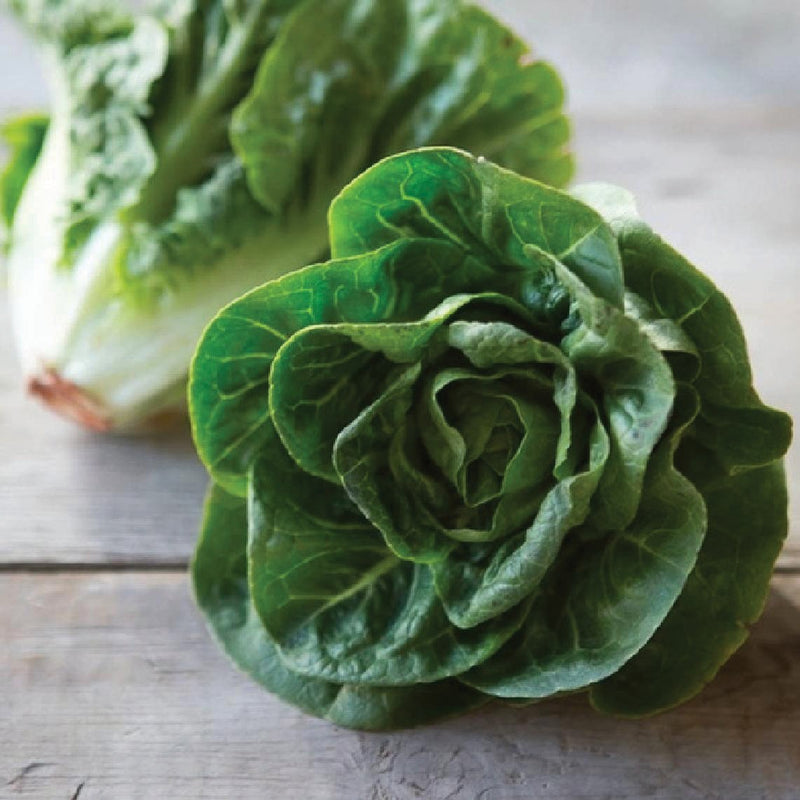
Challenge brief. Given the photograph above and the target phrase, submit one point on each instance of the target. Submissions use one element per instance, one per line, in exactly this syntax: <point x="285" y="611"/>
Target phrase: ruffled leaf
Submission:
<point x="219" y="573"/>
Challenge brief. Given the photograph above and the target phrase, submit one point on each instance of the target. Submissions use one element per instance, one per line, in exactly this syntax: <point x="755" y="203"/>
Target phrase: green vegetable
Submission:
<point x="504" y="445"/>
<point x="192" y="153"/>
<point x="24" y="137"/>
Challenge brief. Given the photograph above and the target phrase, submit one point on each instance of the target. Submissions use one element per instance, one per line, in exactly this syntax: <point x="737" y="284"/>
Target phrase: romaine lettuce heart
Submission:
<point x="192" y="152"/>
<point x="503" y="444"/>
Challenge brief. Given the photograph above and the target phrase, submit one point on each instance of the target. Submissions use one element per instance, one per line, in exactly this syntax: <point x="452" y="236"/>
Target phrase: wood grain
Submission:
<point x="110" y="682"/>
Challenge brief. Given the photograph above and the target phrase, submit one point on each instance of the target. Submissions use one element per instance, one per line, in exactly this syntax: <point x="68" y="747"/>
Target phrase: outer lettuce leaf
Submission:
<point x="723" y="596"/>
<point x="24" y="137"/>
<point x="397" y="75"/>
<point x="490" y="213"/>
<point x="731" y="454"/>
<point x="733" y="423"/>
<point x="220" y="579"/>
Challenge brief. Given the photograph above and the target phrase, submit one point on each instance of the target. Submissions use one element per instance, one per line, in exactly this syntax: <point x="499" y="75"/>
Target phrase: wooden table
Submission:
<point x="109" y="685"/>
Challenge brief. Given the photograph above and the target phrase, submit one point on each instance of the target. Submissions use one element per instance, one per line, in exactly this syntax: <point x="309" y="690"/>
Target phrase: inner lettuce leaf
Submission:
<point x="503" y="444"/>
<point x="192" y="152"/>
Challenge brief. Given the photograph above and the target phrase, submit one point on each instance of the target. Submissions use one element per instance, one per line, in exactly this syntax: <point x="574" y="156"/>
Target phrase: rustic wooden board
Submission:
<point x="721" y="187"/>
<point x="110" y="682"/>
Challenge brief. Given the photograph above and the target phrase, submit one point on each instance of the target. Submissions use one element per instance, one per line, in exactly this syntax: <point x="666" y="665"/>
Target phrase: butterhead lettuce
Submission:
<point x="191" y="153"/>
<point x="504" y="444"/>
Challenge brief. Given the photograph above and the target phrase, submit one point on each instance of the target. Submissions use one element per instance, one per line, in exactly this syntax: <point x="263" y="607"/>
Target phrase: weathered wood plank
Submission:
<point x="110" y="682"/>
<point x="721" y="188"/>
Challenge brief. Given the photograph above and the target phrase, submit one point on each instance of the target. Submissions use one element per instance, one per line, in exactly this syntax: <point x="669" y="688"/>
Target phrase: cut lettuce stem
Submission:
<point x="69" y="400"/>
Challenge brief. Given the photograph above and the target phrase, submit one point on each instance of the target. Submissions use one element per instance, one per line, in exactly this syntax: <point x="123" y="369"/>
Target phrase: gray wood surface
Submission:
<point x="110" y="688"/>
<point x="114" y="685"/>
<point x="615" y="54"/>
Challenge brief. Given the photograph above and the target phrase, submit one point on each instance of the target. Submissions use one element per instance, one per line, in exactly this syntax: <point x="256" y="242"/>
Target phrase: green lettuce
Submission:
<point x="23" y="136"/>
<point x="192" y="151"/>
<point x="504" y="444"/>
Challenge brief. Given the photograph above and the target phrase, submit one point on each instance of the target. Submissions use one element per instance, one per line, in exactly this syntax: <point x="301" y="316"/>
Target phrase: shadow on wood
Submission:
<point x="737" y="740"/>
<point x="110" y="680"/>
